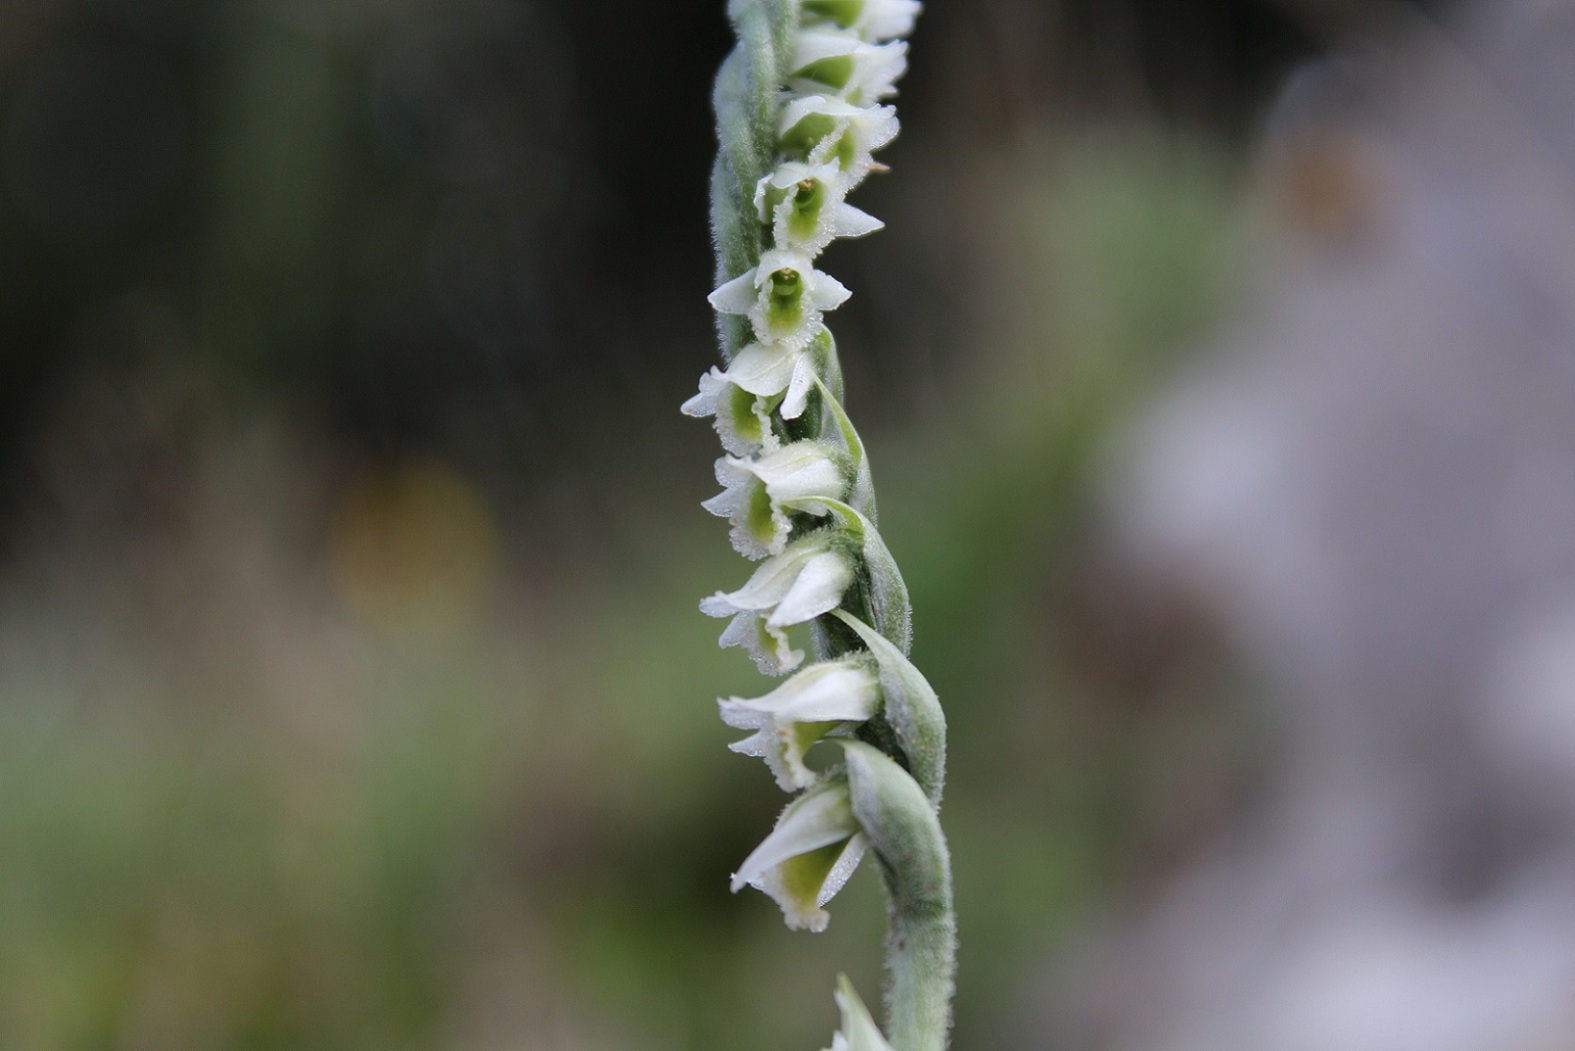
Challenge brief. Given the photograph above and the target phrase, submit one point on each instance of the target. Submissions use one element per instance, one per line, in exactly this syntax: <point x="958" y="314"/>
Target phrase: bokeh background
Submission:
<point x="353" y="696"/>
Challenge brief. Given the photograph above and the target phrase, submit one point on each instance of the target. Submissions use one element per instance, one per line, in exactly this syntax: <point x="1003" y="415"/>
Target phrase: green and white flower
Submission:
<point x="761" y="493"/>
<point x="743" y="418"/>
<point x="808" y="857"/>
<point x="769" y="369"/>
<point x="858" y="1031"/>
<point x="804" y="203"/>
<point x="821" y="129"/>
<point x="785" y="297"/>
<point x="806" y="580"/>
<point x="824" y="698"/>
<point x="854" y="70"/>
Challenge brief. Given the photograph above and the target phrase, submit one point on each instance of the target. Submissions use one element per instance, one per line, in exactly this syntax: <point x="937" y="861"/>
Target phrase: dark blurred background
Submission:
<point x="352" y="690"/>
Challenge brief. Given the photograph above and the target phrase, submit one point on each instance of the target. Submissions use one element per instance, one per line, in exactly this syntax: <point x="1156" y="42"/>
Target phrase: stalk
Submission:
<point x="800" y="107"/>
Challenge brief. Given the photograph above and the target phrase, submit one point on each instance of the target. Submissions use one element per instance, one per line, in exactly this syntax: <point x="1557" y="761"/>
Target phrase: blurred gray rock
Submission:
<point x="1373" y="481"/>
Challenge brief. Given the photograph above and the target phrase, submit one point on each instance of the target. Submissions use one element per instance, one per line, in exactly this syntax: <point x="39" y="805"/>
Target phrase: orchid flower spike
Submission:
<point x="807" y="579"/>
<point x="799" y="118"/>
<point x="823" y="698"/>
<point x="785" y="297"/>
<point x="804" y="203"/>
<point x="808" y="857"/>
<point x="762" y="492"/>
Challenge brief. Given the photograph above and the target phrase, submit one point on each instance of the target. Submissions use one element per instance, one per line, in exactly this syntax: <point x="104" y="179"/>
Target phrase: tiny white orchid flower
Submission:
<point x="758" y="491"/>
<point x="769" y="369"/>
<point x="859" y="1031"/>
<point x="860" y="72"/>
<point x="808" y="857"/>
<point x="804" y="203"/>
<point x="820" y="129"/>
<point x="785" y="297"/>
<point x="806" y="580"/>
<point x="743" y="419"/>
<point x="820" y="699"/>
<point x="873" y="20"/>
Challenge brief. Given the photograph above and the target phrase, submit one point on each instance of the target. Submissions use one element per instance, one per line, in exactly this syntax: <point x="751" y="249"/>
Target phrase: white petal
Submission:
<point x="704" y="403"/>
<point x="884" y="19"/>
<point x="848" y="221"/>
<point x="858" y="1031"/>
<point x="810" y="105"/>
<point x="765" y="368"/>
<point x="735" y="296"/>
<point x="792" y="718"/>
<point x="843" y="870"/>
<point x="825" y="291"/>
<point x="876" y="70"/>
<point x="815" y="45"/>
<point x="818" y="818"/>
<point x="785" y="259"/>
<point x="833" y="691"/>
<point x="798" y="389"/>
<point x="818" y="588"/>
<point x="800" y="471"/>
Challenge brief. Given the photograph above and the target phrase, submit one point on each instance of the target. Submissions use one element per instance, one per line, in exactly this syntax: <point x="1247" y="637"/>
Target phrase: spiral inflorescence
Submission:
<point x="801" y="111"/>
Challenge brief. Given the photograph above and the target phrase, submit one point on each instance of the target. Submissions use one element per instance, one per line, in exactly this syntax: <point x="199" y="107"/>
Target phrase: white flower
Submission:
<point x="858" y="1031"/>
<point x="873" y="20"/>
<point x="743" y="420"/>
<point x="769" y="369"/>
<point x="785" y="297"/>
<point x="857" y="71"/>
<point x="804" y="204"/>
<point x="820" y="130"/>
<point x="787" y="721"/>
<point x="758" y="491"/>
<point x="809" y="855"/>
<point x="804" y="581"/>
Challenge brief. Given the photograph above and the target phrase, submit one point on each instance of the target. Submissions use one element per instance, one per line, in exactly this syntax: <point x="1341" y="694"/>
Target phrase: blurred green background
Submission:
<point x="352" y="690"/>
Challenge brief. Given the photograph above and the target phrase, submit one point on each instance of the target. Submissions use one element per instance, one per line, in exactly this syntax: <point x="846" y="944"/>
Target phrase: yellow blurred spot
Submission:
<point x="414" y="549"/>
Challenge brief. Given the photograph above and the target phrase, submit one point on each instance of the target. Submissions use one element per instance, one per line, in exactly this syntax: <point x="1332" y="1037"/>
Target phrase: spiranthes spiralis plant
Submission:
<point x="800" y="112"/>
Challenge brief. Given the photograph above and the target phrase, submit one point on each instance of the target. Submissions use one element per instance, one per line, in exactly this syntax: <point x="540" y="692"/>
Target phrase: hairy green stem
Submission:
<point x="921" y="941"/>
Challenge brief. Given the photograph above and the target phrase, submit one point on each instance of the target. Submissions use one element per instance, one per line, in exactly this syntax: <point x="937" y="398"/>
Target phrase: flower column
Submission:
<point x="800" y="113"/>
